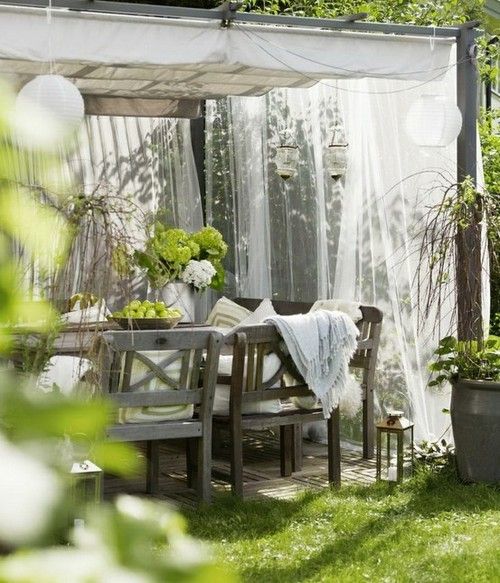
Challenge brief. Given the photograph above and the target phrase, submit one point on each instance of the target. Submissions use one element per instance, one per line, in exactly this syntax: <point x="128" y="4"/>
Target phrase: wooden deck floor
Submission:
<point x="261" y="471"/>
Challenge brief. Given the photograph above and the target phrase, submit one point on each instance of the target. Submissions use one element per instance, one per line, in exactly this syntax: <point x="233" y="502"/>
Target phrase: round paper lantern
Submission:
<point x="51" y="108"/>
<point x="433" y="121"/>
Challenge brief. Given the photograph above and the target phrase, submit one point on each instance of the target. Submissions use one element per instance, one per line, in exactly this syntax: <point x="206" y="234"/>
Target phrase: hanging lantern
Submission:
<point x="433" y="121"/>
<point x="287" y="157"/>
<point x="398" y="433"/>
<point x="336" y="155"/>
<point x="49" y="108"/>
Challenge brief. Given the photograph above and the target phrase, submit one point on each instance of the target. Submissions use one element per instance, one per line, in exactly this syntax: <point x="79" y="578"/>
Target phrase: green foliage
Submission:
<point x="489" y="132"/>
<point x="422" y="12"/>
<point x="495" y="324"/>
<point x="213" y="248"/>
<point x="466" y="360"/>
<point x="169" y="250"/>
<point x="434" y="455"/>
<point x="133" y="540"/>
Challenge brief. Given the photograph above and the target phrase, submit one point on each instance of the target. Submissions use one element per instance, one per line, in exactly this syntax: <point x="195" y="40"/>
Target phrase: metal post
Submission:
<point x="198" y="126"/>
<point x="468" y="240"/>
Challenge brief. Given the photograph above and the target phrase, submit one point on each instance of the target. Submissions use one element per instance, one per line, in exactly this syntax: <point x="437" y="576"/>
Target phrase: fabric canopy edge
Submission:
<point x="130" y="107"/>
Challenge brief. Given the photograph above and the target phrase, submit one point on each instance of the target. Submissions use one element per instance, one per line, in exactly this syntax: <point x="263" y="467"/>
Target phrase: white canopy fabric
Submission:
<point x="158" y="58"/>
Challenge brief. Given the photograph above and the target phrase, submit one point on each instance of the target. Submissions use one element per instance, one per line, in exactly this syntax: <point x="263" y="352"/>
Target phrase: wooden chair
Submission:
<point x="195" y="385"/>
<point x="365" y="357"/>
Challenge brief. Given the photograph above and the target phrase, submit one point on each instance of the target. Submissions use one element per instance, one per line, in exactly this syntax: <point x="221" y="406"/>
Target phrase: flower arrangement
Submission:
<point x="173" y="254"/>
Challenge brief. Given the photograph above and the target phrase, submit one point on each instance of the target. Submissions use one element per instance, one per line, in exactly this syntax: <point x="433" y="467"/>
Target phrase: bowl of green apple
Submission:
<point x="147" y="315"/>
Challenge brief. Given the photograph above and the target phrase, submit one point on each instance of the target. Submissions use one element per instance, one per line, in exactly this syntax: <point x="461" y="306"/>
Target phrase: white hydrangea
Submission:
<point x="199" y="274"/>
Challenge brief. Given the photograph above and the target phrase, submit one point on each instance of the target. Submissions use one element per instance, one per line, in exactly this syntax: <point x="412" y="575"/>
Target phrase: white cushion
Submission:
<point x="226" y="314"/>
<point x="271" y="364"/>
<point x="165" y="413"/>
<point x="97" y="313"/>
<point x="64" y="371"/>
<point x="264" y="310"/>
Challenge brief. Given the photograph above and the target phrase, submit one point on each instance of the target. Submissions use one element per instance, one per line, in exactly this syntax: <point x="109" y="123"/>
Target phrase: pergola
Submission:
<point x="138" y="59"/>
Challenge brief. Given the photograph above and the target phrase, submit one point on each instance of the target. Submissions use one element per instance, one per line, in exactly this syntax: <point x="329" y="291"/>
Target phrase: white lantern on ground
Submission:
<point x="49" y="109"/>
<point x="433" y="121"/>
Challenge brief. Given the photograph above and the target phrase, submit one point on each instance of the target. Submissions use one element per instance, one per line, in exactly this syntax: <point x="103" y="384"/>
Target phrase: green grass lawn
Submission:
<point x="432" y="528"/>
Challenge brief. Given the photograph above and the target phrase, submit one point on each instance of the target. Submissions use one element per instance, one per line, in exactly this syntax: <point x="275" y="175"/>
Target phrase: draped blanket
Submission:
<point x="321" y="345"/>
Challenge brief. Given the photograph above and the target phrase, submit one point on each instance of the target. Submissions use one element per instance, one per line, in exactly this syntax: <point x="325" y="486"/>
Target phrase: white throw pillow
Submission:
<point x="226" y="314"/>
<point x="270" y="366"/>
<point x="155" y="414"/>
<point x="264" y="310"/>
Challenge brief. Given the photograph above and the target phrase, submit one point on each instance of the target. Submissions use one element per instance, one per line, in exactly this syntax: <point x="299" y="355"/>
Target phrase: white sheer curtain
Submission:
<point x="136" y="166"/>
<point x="313" y="237"/>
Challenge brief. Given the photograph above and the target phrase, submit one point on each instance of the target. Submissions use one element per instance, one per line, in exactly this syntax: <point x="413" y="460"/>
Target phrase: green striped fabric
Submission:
<point x="226" y="314"/>
<point x="162" y="413"/>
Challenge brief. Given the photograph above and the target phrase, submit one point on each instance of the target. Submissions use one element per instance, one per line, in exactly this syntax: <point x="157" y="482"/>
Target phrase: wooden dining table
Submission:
<point x="72" y="339"/>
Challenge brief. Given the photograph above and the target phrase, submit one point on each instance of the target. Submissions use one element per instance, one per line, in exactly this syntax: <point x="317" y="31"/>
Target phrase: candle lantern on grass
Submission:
<point x="394" y="435"/>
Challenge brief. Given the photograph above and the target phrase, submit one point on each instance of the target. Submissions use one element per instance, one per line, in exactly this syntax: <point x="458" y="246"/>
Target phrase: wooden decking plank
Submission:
<point x="261" y="475"/>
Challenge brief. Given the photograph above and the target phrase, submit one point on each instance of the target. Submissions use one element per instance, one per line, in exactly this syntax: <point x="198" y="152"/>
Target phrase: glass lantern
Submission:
<point x="287" y="160"/>
<point x="86" y="484"/>
<point x="394" y="435"/>
<point x="336" y="156"/>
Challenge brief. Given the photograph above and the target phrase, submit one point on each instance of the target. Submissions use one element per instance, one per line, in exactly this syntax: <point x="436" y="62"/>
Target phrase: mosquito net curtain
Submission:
<point x="355" y="238"/>
<point x="127" y="169"/>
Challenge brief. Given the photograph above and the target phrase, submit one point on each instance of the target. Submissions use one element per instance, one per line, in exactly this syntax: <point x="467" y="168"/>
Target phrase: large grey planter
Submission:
<point x="475" y="418"/>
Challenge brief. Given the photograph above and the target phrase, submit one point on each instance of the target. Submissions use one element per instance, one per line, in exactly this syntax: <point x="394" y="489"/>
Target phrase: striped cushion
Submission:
<point x="226" y="314"/>
<point x="160" y="413"/>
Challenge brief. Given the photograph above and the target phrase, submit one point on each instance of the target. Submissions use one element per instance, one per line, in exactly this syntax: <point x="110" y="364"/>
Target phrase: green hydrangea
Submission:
<point x="212" y="245"/>
<point x="169" y="251"/>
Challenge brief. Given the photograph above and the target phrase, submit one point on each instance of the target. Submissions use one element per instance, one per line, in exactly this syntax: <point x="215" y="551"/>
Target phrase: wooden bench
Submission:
<point x="365" y="358"/>
<point x="251" y="345"/>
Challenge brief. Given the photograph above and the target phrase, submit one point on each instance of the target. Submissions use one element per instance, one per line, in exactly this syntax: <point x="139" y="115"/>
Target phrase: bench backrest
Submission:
<point x="194" y="379"/>
<point x="369" y="338"/>
<point x="252" y="345"/>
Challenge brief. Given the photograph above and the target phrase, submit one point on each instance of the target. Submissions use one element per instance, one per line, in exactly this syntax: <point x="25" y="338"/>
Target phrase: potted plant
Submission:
<point x="473" y="369"/>
<point x="178" y="263"/>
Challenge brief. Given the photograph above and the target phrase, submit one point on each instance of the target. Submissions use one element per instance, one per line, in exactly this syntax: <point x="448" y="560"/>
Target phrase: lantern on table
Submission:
<point x="86" y="486"/>
<point x="394" y="435"/>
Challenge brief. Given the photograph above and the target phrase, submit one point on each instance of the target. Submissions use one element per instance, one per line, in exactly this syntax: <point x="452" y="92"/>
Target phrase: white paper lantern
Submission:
<point x="433" y="121"/>
<point x="49" y="108"/>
